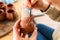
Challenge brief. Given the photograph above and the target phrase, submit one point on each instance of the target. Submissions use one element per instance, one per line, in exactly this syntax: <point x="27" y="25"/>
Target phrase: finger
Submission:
<point x="34" y="35"/>
<point x="29" y="19"/>
<point x="32" y="18"/>
<point x="16" y="34"/>
<point x="26" y="36"/>
<point x="15" y="28"/>
<point x="21" y="34"/>
<point x="16" y="24"/>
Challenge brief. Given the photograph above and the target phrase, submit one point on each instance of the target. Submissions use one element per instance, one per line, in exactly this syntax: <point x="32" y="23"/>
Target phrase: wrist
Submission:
<point x="45" y="6"/>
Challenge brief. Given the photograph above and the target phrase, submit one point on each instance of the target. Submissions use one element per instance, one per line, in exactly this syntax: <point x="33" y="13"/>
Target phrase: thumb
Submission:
<point x="34" y="35"/>
<point x="16" y="27"/>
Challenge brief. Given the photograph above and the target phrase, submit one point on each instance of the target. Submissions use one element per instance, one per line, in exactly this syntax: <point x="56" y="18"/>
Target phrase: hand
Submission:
<point x="37" y="4"/>
<point x="17" y="36"/>
<point x="27" y="25"/>
<point x="27" y="22"/>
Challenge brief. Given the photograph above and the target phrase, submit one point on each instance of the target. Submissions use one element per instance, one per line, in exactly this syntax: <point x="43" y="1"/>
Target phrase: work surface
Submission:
<point x="44" y="19"/>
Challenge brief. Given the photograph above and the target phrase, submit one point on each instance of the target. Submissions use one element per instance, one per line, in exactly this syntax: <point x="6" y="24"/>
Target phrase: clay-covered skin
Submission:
<point x="2" y="15"/>
<point x="10" y="14"/>
<point x="27" y="27"/>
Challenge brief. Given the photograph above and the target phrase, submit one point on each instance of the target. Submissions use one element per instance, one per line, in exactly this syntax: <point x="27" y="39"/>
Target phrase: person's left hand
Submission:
<point x="17" y="36"/>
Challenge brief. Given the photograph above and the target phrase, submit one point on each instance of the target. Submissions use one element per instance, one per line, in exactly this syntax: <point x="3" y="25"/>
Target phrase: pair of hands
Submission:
<point x="37" y="4"/>
<point x="16" y="30"/>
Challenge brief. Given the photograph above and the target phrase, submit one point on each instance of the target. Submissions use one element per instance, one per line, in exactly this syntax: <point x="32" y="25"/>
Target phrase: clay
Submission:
<point x="8" y="11"/>
<point x="10" y="14"/>
<point x="2" y="6"/>
<point x="2" y="15"/>
<point x="27" y="29"/>
<point x="10" y="6"/>
<point x="26" y="26"/>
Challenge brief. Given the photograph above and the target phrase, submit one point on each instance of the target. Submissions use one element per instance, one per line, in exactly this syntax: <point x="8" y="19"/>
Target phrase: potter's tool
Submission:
<point x="35" y="2"/>
<point x="25" y="13"/>
<point x="35" y="15"/>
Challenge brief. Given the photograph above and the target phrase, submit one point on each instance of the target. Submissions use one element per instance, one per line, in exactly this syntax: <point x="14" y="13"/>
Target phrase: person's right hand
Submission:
<point x="37" y="4"/>
<point x="34" y="3"/>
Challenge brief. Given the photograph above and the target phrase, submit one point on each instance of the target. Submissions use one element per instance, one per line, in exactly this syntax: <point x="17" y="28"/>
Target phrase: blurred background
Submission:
<point x="42" y="19"/>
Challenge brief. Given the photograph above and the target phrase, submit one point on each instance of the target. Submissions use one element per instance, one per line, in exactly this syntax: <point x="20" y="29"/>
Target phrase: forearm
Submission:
<point x="51" y="11"/>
